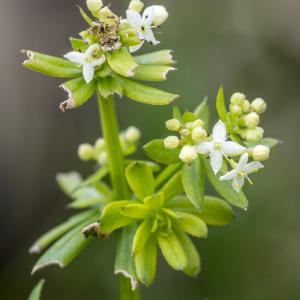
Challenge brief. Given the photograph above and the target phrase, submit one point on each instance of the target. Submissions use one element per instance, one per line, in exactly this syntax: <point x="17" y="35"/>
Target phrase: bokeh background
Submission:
<point x="250" y="46"/>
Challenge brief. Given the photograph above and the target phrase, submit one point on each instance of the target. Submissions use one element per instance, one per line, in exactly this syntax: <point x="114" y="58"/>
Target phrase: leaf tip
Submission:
<point x="35" y="249"/>
<point x="69" y="103"/>
<point x="134" y="282"/>
<point x="29" y="56"/>
<point x="39" y="267"/>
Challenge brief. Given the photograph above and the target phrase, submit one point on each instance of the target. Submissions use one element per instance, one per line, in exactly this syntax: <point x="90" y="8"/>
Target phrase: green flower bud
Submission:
<point x="246" y="106"/>
<point x="252" y="135"/>
<point x="160" y="15"/>
<point x="188" y="154"/>
<point x="102" y="158"/>
<point x="185" y="132"/>
<point x="173" y="125"/>
<point x="132" y="134"/>
<point x="237" y="98"/>
<point x="189" y="125"/>
<point x="198" y="123"/>
<point x="259" y="105"/>
<point x="86" y="152"/>
<point x="171" y="142"/>
<point x="100" y="144"/>
<point x="136" y="5"/>
<point x="94" y="5"/>
<point x="251" y="120"/>
<point x="261" y="153"/>
<point x="235" y="109"/>
<point x="198" y="134"/>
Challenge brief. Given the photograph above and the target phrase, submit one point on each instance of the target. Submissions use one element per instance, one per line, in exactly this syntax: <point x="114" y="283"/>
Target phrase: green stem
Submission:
<point x="110" y="130"/>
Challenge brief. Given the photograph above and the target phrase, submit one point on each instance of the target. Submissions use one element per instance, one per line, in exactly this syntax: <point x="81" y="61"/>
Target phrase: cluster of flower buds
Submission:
<point x="190" y="134"/>
<point x="244" y="117"/>
<point x="98" y="151"/>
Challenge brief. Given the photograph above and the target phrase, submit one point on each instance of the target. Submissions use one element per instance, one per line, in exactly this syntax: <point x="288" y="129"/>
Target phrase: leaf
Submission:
<point x="172" y="251"/>
<point x="202" y="112"/>
<point x="268" y="142"/>
<point x="163" y="57"/>
<point x="193" y="265"/>
<point x="68" y="182"/>
<point x="48" y="238"/>
<point x="221" y="107"/>
<point x="66" y="249"/>
<point x="189" y="117"/>
<point x="136" y="211"/>
<point x="122" y="62"/>
<point x="85" y="16"/>
<point x="167" y="174"/>
<point x="78" y="44"/>
<point x="37" y="290"/>
<point x="108" y="86"/>
<point x="176" y="113"/>
<point x="173" y="187"/>
<point x="152" y="73"/>
<point x="140" y="179"/>
<point x="154" y="166"/>
<point x="155" y="201"/>
<point x="124" y="263"/>
<point x="224" y="188"/>
<point x="145" y="94"/>
<point x="146" y="262"/>
<point x="50" y="65"/>
<point x="112" y="218"/>
<point x="193" y="181"/>
<point x="141" y="236"/>
<point x="156" y="150"/>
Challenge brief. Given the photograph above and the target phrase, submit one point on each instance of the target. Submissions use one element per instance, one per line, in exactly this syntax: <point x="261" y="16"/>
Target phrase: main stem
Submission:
<point x="110" y="129"/>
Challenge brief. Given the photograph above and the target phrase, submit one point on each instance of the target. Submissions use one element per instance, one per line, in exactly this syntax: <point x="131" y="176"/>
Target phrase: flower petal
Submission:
<point x="216" y="160"/>
<point x="238" y="183"/>
<point x="232" y="148"/>
<point x="148" y="15"/>
<point x="75" y="57"/>
<point x="219" y="133"/>
<point x="243" y="162"/>
<point x="230" y="175"/>
<point x="149" y="36"/>
<point x="134" y="18"/>
<point x="88" y="73"/>
<point x="252" y="167"/>
<point x="204" y="147"/>
<point x="133" y="49"/>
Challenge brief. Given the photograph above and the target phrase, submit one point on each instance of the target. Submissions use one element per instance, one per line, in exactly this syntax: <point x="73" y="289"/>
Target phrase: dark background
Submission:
<point x="250" y="46"/>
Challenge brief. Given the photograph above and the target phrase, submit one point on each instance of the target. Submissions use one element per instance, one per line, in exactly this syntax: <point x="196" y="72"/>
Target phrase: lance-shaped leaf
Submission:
<point x="172" y="251"/>
<point x="122" y="62"/>
<point x="50" y="65"/>
<point x="176" y="113"/>
<point x="190" y="224"/>
<point x="78" y="45"/>
<point x="173" y="187"/>
<point x="140" y="179"/>
<point x="152" y="73"/>
<point x="154" y="166"/>
<point x="224" y="188"/>
<point x="79" y="92"/>
<point x="109" y="86"/>
<point x="146" y="262"/>
<point x="145" y="94"/>
<point x="167" y="174"/>
<point x="48" y="238"/>
<point x="155" y="201"/>
<point x="37" y="291"/>
<point x="202" y="112"/>
<point x="68" y="182"/>
<point x="66" y="249"/>
<point x="220" y="104"/>
<point x="161" y="58"/>
<point x="157" y="151"/>
<point x="141" y="236"/>
<point x="85" y="16"/>
<point x="136" y="211"/>
<point x="268" y="142"/>
<point x="189" y="117"/>
<point x="193" y="180"/>
<point x="124" y="263"/>
<point x="193" y="265"/>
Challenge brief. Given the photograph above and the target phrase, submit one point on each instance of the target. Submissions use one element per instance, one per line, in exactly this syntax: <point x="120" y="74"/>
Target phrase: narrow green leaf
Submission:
<point x="166" y="174"/>
<point x="173" y="187"/>
<point x="122" y="62"/>
<point x="193" y="265"/>
<point x="202" y="112"/>
<point x="156" y="150"/>
<point x="193" y="180"/>
<point x="145" y="94"/>
<point x="172" y="251"/>
<point x="154" y="166"/>
<point x="155" y="201"/>
<point x="78" y="44"/>
<point x="50" y="65"/>
<point x="48" y="238"/>
<point x="112" y="218"/>
<point x="66" y="249"/>
<point x="141" y="236"/>
<point x="146" y="262"/>
<point x="86" y="197"/>
<point x="108" y="86"/>
<point x="37" y="291"/>
<point x="268" y="142"/>
<point x="161" y="58"/>
<point x="152" y="73"/>
<point x="176" y="113"/>
<point x="224" y="188"/>
<point x="189" y="117"/>
<point x="136" y="211"/>
<point x="68" y="182"/>
<point x="220" y="104"/>
<point x="124" y="263"/>
<point x="140" y="179"/>
<point x="85" y="16"/>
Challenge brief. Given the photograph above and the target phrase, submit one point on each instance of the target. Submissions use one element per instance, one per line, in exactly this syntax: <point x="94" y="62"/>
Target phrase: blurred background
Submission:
<point x="249" y="46"/>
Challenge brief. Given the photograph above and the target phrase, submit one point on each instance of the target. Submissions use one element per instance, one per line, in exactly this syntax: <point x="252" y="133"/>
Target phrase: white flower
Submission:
<point x="171" y="142"/>
<point x="88" y="60"/>
<point x="218" y="146"/>
<point x="241" y="172"/>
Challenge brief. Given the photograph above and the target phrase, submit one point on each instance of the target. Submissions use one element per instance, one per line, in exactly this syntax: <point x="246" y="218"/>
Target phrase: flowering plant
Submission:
<point x="150" y="204"/>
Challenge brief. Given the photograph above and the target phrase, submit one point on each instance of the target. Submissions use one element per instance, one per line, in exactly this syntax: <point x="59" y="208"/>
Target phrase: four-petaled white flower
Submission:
<point x="88" y="60"/>
<point x="142" y="25"/>
<point x="219" y="146"/>
<point x="241" y="172"/>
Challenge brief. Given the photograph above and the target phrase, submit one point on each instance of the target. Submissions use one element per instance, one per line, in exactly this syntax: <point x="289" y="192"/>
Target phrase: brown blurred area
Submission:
<point x="248" y="46"/>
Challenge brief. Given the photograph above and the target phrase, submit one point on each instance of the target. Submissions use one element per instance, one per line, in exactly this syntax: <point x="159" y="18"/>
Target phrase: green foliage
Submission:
<point x="37" y="291"/>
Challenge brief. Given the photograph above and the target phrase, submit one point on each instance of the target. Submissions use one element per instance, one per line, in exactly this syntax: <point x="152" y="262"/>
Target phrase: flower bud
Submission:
<point x="100" y="144"/>
<point x="235" y="109"/>
<point x="259" y="105"/>
<point x="188" y="154"/>
<point x="102" y="158"/>
<point x="189" y="125"/>
<point x="245" y="106"/>
<point x="237" y="98"/>
<point x="185" y="132"/>
<point x="253" y="135"/>
<point x="105" y="14"/>
<point x="86" y="152"/>
<point x="94" y="5"/>
<point x="261" y="153"/>
<point x="171" y="142"/>
<point x="198" y="134"/>
<point x="251" y="120"/>
<point x="136" y="5"/>
<point x="160" y="15"/>
<point x="132" y="134"/>
<point x="173" y="125"/>
<point x="198" y="123"/>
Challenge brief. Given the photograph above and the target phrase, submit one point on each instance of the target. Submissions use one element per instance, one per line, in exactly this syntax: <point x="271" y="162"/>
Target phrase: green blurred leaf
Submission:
<point x="141" y="236"/>
<point x="189" y="117"/>
<point x="136" y="211"/>
<point x="173" y="187"/>
<point x="268" y="142"/>
<point x="167" y="174"/>
<point x="109" y="86"/>
<point x="220" y="104"/>
<point x="37" y="291"/>
<point x="154" y="166"/>
<point x="68" y="182"/>
<point x="78" y="45"/>
<point x="85" y="16"/>
<point x="152" y="73"/>
<point x="202" y="112"/>
<point x="161" y="58"/>
<point x="176" y="113"/>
